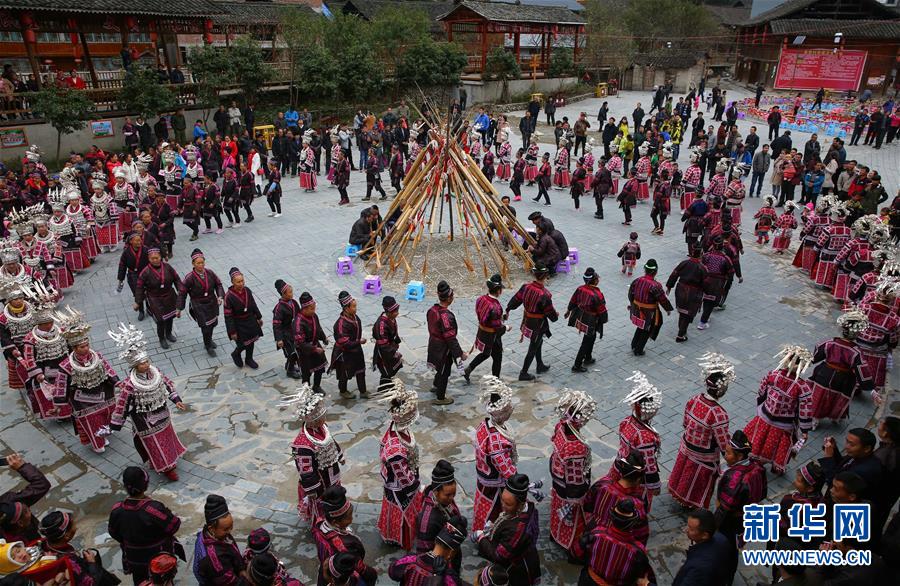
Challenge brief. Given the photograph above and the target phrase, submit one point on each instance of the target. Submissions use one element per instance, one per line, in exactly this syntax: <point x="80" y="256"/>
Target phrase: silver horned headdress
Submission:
<point x="131" y="343"/>
<point x="853" y="321"/>
<point x="496" y="397"/>
<point x="576" y="406"/>
<point x="713" y="363"/>
<point x="75" y="328"/>
<point x="643" y="393"/>
<point x="309" y="404"/>
<point x="795" y="359"/>
<point x="402" y="404"/>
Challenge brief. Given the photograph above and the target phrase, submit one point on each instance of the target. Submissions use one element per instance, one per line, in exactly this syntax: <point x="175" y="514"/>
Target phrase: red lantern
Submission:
<point x="29" y="25"/>
<point x="153" y="34"/>
<point x="131" y="24"/>
<point x="207" y="31"/>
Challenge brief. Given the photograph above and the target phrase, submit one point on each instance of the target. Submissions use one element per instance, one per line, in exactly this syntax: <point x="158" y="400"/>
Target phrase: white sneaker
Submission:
<point x="277" y="215"/>
<point x="230" y="225"/>
<point x="272" y="214"/>
<point x="238" y="225"/>
<point x="702" y="326"/>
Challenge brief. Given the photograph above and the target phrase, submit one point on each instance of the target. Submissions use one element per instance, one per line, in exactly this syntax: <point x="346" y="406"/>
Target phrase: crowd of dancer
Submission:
<point x="602" y="525"/>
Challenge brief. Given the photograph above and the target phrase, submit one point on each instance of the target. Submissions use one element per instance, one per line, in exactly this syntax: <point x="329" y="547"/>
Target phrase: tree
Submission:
<point x="609" y="44"/>
<point x="300" y="30"/>
<point x="502" y="65"/>
<point x="360" y="74"/>
<point x="319" y="72"/>
<point x="250" y="69"/>
<point x="397" y="30"/>
<point x="561" y="63"/>
<point x="432" y="64"/>
<point x="65" y="109"/>
<point x="142" y="93"/>
<point x="212" y="71"/>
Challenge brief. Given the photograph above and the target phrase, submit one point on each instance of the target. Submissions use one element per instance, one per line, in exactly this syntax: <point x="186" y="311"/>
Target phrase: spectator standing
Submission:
<point x="16" y="521"/>
<point x="234" y="119"/>
<point x="812" y="149"/>
<point x="774" y="122"/>
<point x="759" y="167"/>
<point x="250" y="118"/>
<point x="759" y="93"/>
<point x="859" y="124"/>
<point x="550" y="111"/>
<point x="130" y="133"/>
<point x="179" y="125"/>
<point x="220" y="118"/>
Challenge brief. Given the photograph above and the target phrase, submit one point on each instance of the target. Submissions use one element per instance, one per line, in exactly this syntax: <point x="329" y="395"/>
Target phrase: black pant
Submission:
<point x="551" y="119"/>
<point x="231" y="212"/>
<point x="725" y="291"/>
<point x="360" y="383"/>
<point x="787" y="192"/>
<point x="526" y="140"/>
<point x="274" y="200"/>
<point x="542" y="191"/>
<point x="194" y="225"/>
<point x="580" y="140"/>
<point x="627" y="211"/>
<point x="442" y="376"/>
<point x="376" y="185"/>
<point x="494" y="352"/>
<point x="535" y="345"/>
<point x="773" y="131"/>
<point x="587" y="345"/>
<point x="342" y="189"/>
<point x="305" y="376"/>
<point x="285" y="167"/>
<point x="395" y="182"/>
<point x="891" y="133"/>
<point x="683" y="322"/>
<point x="661" y="221"/>
<point x="207" y="332"/>
<point x="639" y="340"/>
<point x="708" y="306"/>
<point x="247" y="205"/>
<point x="246" y="350"/>
<point x="516" y="187"/>
<point x="606" y="152"/>
<point x="854" y="138"/>
<point x="870" y="135"/>
<point x="164" y="328"/>
<point x="598" y="199"/>
<point x="208" y="221"/>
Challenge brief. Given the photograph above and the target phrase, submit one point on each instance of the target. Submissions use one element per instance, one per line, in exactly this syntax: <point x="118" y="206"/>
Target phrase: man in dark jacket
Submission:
<point x="859" y="124"/>
<point x="361" y="232"/>
<point x="161" y="129"/>
<point x="812" y="148"/>
<point x="703" y="562"/>
<point x="221" y="120"/>
<point x="637" y="115"/>
<point x="859" y="458"/>
<point x="145" y="133"/>
<point x="534" y="108"/>
<point x="774" y="121"/>
<point x="781" y="144"/>
<point x="16" y="521"/>
<point x="610" y="129"/>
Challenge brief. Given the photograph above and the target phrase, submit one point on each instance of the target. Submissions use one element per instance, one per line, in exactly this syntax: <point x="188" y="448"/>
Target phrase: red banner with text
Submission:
<point x="811" y="69"/>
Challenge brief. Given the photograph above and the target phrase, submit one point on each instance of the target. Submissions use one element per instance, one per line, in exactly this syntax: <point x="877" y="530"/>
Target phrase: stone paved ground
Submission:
<point x="238" y="438"/>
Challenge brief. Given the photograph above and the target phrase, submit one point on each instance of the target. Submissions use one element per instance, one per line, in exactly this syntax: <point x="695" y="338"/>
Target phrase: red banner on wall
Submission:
<point x="811" y="69"/>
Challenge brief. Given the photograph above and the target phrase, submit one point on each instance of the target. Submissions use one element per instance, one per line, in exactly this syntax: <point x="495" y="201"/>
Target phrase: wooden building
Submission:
<point x="842" y="45"/>
<point x="481" y="26"/>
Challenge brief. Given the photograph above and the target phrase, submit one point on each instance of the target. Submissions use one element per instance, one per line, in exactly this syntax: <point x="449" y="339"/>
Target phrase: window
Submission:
<point x="10" y="37"/>
<point x="52" y="38"/>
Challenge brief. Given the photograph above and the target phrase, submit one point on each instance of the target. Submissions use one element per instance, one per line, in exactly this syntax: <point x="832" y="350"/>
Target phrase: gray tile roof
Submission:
<point x="519" y="13"/>
<point x="852" y="29"/>
<point x="808" y="8"/>
<point x="141" y="7"/>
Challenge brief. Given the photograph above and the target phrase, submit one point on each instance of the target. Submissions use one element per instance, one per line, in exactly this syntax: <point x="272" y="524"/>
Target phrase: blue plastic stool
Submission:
<point x="372" y="285"/>
<point x="352" y="250"/>
<point x="344" y="266"/>
<point x="415" y="291"/>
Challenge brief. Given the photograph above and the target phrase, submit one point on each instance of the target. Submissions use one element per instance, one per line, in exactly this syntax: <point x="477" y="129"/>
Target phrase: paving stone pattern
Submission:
<point x="238" y="438"/>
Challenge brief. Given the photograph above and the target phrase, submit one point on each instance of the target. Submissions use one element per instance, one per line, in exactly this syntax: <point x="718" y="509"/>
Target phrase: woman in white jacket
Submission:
<point x="259" y="174"/>
<point x="129" y="167"/>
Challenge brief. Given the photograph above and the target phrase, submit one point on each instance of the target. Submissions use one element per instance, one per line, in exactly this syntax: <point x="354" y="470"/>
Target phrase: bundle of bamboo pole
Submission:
<point x="446" y="194"/>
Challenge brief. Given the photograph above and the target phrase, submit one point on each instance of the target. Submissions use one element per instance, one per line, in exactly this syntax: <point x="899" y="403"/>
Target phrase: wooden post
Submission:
<point x="87" y="58"/>
<point x="575" y="48"/>
<point x="516" y="45"/>
<point x="483" y="45"/>
<point x="449" y="32"/>
<point x="227" y="43"/>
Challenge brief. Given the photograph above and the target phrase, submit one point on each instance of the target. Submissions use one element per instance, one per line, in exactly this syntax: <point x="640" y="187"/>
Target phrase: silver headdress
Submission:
<point x="335" y="133"/>
<point x="790" y="206"/>
<point x="98" y="179"/>
<point x="723" y="165"/>
<point x="42" y="299"/>
<point x="402" y="404"/>
<point x="883" y="256"/>
<point x="824" y="203"/>
<point x="143" y="162"/>
<point x="496" y="397"/>
<point x="713" y="363"/>
<point x="880" y="234"/>
<point x="769" y="201"/>
<point x="862" y="227"/>
<point x="589" y="147"/>
<point x="839" y="211"/>
<point x="191" y="153"/>
<point x="853" y="321"/>
<point x="310" y="405"/>
<point x="8" y="251"/>
<point x="75" y="328"/>
<point x="130" y="341"/>
<point x="33" y="154"/>
<point x="10" y="288"/>
<point x="308" y="135"/>
<point x="795" y="359"/>
<point x="576" y="406"/>
<point x="888" y="287"/>
<point x="667" y="150"/>
<point x="695" y="155"/>
<point x="739" y="170"/>
<point x="642" y="392"/>
<point x="21" y="221"/>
